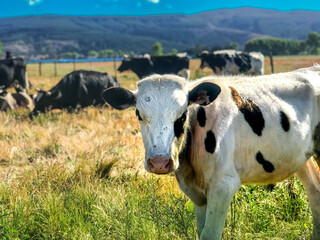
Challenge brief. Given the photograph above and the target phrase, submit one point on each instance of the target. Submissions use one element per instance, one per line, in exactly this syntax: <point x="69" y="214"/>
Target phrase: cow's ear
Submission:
<point x="204" y="93"/>
<point x="119" y="98"/>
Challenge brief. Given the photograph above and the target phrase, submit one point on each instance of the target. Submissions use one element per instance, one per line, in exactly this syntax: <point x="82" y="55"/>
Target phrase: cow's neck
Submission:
<point x="185" y="173"/>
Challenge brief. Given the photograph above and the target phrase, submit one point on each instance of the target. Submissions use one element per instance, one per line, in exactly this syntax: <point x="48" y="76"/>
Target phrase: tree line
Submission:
<point x="280" y="46"/>
<point x="277" y="46"/>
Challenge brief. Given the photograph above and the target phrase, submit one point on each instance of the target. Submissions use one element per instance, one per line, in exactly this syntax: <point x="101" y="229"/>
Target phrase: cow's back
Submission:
<point x="265" y="119"/>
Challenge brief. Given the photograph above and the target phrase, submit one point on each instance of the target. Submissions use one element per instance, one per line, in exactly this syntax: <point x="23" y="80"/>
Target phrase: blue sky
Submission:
<point x="10" y="8"/>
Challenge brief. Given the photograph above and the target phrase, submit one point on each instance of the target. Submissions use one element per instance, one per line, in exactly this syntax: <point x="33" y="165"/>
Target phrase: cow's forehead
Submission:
<point x="162" y="93"/>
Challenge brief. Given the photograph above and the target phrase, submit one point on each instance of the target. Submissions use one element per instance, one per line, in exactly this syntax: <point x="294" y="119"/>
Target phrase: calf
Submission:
<point x="218" y="133"/>
<point x="77" y="89"/>
<point x="231" y="62"/>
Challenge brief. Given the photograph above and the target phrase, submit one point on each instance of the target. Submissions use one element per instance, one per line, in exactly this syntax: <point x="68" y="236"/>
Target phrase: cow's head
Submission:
<point x="44" y="101"/>
<point x="161" y="104"/>
<point x="203" y="57"/>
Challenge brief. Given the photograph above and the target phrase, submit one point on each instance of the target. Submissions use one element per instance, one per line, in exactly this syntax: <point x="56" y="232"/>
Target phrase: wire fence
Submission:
<point x="55" y="62"/>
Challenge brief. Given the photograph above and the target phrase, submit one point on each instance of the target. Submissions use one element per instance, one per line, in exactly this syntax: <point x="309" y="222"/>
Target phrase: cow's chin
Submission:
<point x="159" y="165"/>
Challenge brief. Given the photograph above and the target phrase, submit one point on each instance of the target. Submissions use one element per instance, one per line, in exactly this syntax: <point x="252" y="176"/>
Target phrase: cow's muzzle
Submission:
<point x="160" y="165"/>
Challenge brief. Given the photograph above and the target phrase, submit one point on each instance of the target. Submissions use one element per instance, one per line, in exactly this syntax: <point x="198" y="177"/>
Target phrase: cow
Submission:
<point x="144" y="66"/>
<point x="13" y="73"/>
<point x="11" y="101"/>
<point x="7" y="102"/>
<point x="231" y="62"/>
<point x="77" y="89"/>
<point x="217" y="133"/>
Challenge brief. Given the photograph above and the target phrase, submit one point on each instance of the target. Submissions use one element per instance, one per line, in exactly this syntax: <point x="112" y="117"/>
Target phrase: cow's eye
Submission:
<point x="138" y="115"/>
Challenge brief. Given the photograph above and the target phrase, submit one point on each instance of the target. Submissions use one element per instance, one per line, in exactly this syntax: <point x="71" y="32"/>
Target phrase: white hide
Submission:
<point x="160" y="102"/>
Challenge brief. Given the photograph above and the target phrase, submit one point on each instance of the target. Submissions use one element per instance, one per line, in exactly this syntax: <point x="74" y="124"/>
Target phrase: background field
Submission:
<point x="81" y="176"/>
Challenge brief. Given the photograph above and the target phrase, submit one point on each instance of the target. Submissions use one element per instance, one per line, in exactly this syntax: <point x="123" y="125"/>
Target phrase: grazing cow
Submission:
<point x="231" y="62"/>
<point x="147" y="65"/>
<point x="77" y="89"/>
<point x="13" y="73"/>
<point x="218" y="133"/>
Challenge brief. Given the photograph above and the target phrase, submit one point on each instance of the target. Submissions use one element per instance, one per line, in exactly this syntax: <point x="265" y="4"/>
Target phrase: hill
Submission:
<point x="52" y="34"/>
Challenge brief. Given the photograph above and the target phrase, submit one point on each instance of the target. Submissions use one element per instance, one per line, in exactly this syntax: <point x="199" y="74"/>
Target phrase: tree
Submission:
<point x="313" y="42"/>
<point x="0" y="47"/>
<point x="71" y="55"/>
<point x="232" y="45"/>
<point x="156" y="49"/>
<point x="107" y="53"/>
<point x="92" y="53"/>
<point x="173" y="51"/>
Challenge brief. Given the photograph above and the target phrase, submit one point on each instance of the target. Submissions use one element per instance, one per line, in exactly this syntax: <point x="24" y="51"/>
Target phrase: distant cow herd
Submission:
<point x="82" y="88"/>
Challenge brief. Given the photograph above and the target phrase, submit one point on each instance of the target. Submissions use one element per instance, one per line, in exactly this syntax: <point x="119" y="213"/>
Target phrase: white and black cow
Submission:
<point x="147" y="65"/>
<point x="218" y="133"/>
<point x="231" y="62"/>
<point x="78" y="89"/>
<point x="11" y="101"/>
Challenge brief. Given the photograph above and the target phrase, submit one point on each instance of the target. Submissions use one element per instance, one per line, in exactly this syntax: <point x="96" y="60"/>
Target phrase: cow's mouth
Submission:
<point x="160" y="165"/>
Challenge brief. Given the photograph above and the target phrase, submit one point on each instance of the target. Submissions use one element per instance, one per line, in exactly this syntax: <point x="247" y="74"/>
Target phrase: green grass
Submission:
<point x="80" y="176"/>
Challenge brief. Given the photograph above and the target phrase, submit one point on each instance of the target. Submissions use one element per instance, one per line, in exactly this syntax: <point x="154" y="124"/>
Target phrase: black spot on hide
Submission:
<point x="201" y="116"/>
<point x="267" y="166"/>
<point x="284" y="121"/>
<point x="253" y="116"/>
<point x="210" y="142"/>
<point x="178" y="125"/>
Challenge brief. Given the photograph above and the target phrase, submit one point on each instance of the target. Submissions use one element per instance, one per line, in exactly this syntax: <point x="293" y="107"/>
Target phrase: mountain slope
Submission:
<point x="55" y="34"/>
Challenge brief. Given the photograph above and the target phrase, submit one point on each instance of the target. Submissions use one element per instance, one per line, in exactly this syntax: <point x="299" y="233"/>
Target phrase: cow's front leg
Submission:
<point x="220" y="193"/>
<point x="201" y="217"/>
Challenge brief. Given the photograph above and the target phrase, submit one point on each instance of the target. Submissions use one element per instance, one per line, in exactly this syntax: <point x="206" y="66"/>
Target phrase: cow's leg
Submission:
<point x="219" y="197"/>
<point x="309" y="175"/>
<point x="201" y="217"/>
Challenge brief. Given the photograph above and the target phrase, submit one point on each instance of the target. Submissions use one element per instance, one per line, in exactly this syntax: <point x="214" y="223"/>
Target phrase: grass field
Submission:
<point x="81" y="176"/>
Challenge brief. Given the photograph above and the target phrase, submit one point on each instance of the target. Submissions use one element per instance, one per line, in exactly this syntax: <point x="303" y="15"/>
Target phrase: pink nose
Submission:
<point x="160" y="164"/>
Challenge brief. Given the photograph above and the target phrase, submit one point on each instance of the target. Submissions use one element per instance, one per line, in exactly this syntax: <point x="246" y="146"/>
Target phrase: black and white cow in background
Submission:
<point x="11" y="101"/>
<point x="144" y="66"/>
<point x="77" y="89"/>
<point x="13" y="74"/>
<point x="218" y="133"/>
<point x="231" y="62"/>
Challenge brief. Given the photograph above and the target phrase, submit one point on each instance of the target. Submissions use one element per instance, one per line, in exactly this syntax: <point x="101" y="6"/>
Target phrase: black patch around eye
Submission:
<point x="267" y="166"/>
<point x="178" y="125"/>
<point x="284" y="121"/>
<point x="138" y="114"/>
<point x="210" y="142"/>
<point x="201" y="116"/>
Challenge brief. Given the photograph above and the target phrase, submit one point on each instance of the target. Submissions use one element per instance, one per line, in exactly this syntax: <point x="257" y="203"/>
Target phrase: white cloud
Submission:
<point x="33" y="2"/>
<point x="154" y="1"/>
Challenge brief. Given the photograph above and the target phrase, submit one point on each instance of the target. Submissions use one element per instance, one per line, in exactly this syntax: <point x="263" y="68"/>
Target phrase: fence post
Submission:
<point x="40" y="72"/>
<point x="115" y="67"/>
<point x="271" y="61"/>
<point x="55" y="68"/>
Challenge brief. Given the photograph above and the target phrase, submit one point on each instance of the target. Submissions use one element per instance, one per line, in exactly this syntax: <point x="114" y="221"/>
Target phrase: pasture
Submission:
<point x="81" y="176"/>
